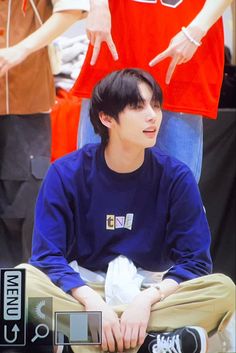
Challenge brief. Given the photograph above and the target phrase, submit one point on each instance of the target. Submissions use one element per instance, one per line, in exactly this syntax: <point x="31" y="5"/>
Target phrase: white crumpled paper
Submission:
<point x="122" y="281"/>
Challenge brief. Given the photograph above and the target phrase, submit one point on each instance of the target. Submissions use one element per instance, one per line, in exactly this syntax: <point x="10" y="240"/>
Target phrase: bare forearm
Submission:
<point x="57" y="24"/>
<point x="85" y="295"/>
<point x="98" y="3"/>
<point x="92" y="301"/>
<point x="210" y="13"/>
<point x="154" y="295"/>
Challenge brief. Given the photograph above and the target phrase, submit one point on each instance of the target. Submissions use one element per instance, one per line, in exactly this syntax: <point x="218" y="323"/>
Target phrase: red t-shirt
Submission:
<point x="143" y="29"/>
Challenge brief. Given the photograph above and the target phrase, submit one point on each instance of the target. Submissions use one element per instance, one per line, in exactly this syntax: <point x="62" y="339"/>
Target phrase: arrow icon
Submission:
<point x="15" y="329"/>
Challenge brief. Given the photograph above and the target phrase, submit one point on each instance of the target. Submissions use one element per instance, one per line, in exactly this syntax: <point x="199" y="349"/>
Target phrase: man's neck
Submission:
<point x="123" y="159"/>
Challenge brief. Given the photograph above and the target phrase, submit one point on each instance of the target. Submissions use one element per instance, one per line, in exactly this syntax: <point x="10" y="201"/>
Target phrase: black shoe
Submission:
<point x="67" y="349"/>
<point x="187" y="339"/>
<point x="63" y="346"/>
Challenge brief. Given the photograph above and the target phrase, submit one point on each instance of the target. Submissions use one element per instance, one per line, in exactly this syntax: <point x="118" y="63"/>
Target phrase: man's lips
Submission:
<point x="150" y="130"/>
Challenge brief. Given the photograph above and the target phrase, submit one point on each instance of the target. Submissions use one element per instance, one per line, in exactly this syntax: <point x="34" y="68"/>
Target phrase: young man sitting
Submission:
<point x="124" y="199"/>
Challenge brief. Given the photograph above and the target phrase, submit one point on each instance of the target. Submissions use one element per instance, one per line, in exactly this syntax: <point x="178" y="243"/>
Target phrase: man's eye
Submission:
<point x="139" y="106"/>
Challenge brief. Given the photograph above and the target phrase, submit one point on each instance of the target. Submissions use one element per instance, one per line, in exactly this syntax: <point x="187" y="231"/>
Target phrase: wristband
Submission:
<point x="190" y="38"/>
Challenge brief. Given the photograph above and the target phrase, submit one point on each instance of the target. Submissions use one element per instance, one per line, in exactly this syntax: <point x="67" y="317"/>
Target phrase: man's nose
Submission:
<point x="151" y="114"/>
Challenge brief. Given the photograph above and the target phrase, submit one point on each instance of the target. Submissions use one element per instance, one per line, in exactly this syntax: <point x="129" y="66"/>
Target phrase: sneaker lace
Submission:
<point x="167" y="345"/>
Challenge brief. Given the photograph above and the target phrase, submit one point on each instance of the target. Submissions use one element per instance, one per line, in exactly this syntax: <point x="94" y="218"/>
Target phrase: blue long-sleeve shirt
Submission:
<point x="86" y="212"/>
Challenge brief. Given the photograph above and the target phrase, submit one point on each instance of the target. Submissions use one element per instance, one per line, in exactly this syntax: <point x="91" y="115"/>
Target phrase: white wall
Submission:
<point x="228" y="28"/>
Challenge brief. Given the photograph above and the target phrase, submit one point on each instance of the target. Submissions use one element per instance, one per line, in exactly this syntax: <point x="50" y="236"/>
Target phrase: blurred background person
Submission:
<point x="181" y="43"/>
<point x="26" y="96"/>
<point x="228" y="89"/>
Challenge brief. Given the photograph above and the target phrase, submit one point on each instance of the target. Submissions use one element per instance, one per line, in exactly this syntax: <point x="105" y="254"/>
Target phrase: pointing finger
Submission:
<point x="160" y="57"/>
<point x="90" y="37"/>
<point x="96" y="50"/>
<point x="112" y="48"/>
<point x="171" y="69"/>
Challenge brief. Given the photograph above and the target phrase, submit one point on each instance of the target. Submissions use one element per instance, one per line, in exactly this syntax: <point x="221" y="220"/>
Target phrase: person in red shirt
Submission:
<point x="189" y="39"/>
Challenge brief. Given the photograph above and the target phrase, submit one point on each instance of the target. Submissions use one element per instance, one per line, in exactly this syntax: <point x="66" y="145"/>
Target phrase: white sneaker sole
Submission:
<point x="203" y="337"/>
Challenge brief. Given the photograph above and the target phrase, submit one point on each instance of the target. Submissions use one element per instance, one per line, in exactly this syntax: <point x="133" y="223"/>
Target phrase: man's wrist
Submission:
<point x="25" y="48"/>
<point x="158" y="289"/>
<point x="190" y="38"/>
<point x="85" y="294"/>
<point x="152" y="295"/>
<point x="196" y="31"/>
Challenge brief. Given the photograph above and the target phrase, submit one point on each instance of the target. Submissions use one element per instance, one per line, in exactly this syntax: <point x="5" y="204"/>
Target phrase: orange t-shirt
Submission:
<point x="141" y="30"/>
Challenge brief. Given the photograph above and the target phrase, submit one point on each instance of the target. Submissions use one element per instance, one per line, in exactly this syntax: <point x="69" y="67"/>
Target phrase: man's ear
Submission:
<point x="106" y="120"/>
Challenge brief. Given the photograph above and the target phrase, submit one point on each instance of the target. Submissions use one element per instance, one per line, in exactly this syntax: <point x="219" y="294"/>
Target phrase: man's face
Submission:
<point x="139" y="125"/>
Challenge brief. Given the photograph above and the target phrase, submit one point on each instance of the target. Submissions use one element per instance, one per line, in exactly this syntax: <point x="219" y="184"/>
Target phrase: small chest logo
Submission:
<point x="115" y="222"/>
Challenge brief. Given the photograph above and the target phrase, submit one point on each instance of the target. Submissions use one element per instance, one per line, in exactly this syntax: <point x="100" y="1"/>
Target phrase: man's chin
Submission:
<point x="151" y="143"/>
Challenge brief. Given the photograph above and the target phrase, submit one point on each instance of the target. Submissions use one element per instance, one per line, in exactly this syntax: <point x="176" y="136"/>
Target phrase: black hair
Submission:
<point x="115" y="92"/>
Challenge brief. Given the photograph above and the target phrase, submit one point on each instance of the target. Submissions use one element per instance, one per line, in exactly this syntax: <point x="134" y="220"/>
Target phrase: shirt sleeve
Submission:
<point x="188" y="235"/>
<point x="62" y="5"/>
<point x="53" y="233"/>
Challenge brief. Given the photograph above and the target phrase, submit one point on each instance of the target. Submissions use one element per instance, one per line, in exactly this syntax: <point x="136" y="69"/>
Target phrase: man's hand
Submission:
<point x="45" y="34"/>
<point x="134" y="319"/>
<point x="10" y="57"/>
<point x="111" y="333"/>
<point x="181" y="49"/>
<point x="99" y="29"/>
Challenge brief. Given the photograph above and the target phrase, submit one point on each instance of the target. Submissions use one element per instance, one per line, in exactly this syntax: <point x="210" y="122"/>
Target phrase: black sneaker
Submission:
<point x="188" y="339"/>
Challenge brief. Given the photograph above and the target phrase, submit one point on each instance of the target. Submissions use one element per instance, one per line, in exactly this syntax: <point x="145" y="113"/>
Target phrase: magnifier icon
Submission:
<point x="38" y="334"/>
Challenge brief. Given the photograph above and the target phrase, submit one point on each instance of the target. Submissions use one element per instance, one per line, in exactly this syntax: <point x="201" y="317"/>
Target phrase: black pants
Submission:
<point x="25" y="147"/>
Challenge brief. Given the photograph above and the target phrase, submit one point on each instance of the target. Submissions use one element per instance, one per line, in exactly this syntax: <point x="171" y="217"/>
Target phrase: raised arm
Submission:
<point x="52" y="28"/>
<point x="99" y="28"/>
<point x="183" y="46"/>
